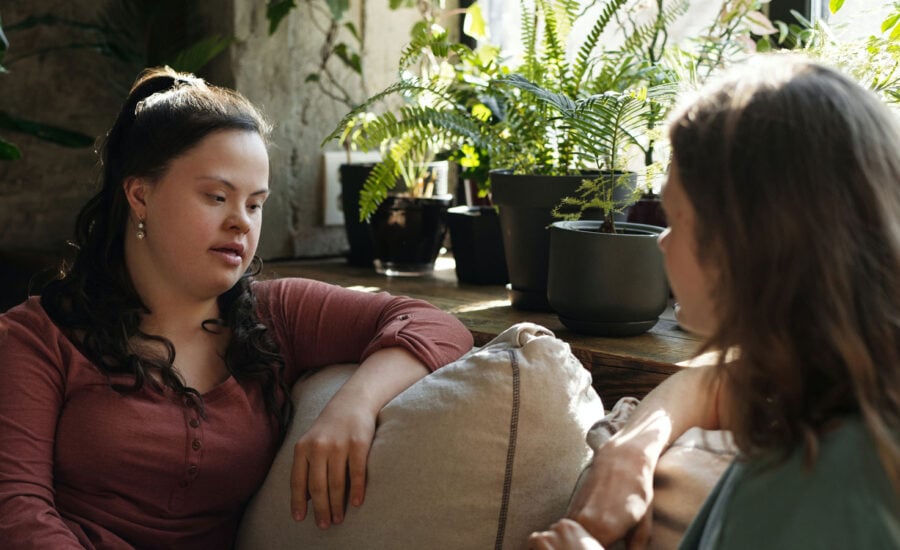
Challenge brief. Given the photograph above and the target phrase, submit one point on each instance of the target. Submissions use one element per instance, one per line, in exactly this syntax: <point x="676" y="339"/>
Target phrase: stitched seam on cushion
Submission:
<point x="719" y="452"/>
<point x="510" y="451"/>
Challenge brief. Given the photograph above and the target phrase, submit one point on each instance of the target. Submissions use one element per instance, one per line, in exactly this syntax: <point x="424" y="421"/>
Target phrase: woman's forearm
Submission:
<point x="380" y="377"/>
<point x="338" y="443"/>
<point x="617" y="491"/>
<point x="686" y="399"/>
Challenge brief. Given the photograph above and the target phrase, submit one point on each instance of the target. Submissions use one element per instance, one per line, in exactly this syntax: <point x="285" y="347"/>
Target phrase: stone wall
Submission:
<point x="272" y="71"/>
<point x="40" y="194"/>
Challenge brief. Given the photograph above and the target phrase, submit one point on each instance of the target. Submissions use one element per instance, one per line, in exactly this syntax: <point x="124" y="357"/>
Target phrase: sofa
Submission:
<point x="478" y="455"/>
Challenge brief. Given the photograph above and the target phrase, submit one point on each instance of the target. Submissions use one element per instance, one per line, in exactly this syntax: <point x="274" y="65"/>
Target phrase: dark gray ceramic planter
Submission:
<point x="526" y="204"/>
<point x="606" y="284"/>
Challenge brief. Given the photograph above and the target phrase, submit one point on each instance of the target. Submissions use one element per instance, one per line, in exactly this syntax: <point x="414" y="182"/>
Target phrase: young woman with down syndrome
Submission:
<point x="144" y="394"/>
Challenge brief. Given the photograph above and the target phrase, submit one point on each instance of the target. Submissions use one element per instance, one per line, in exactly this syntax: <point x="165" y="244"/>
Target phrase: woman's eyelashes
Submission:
<point x="256" y="205"/>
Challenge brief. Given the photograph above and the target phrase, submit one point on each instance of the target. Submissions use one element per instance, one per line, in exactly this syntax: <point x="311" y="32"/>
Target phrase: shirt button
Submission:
<point x="196" y="445"/>
<point x="192" y="470"/>
<point x="194" y="423"/>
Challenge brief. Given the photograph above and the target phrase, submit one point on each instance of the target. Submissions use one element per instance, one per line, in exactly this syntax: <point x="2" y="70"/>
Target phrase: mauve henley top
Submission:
<point x="84" y="466"/>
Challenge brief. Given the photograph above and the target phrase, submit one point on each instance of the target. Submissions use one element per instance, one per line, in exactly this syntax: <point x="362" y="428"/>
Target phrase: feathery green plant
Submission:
<point x="449" y="106"/>
<point x="459" y="104"/>
<point x="573" y="104"/>
<point x="874" y="60"/>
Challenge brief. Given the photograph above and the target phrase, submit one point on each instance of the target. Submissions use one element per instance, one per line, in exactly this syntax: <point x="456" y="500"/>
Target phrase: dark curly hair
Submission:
<point x="94" y="301"/>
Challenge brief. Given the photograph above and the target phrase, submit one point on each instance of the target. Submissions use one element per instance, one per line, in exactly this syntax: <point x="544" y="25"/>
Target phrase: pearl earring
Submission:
<point x="140" y="231"/>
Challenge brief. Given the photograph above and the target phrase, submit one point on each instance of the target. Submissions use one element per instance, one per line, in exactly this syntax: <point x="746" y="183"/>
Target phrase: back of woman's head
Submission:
<point x="794" y="173"/>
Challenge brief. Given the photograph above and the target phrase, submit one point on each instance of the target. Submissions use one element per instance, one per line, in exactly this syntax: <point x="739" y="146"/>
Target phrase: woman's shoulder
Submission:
<point x="287" y="294"/>
<point x="265" y="289"/>
<point x="846" y="459"/>
<point x="29" y="336"/>
<point x="842" y="499"/>
<point x="28" y="317"/>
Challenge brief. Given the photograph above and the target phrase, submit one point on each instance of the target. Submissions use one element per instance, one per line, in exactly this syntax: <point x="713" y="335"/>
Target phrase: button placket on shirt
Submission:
<point x="194" y="452"/>
<point x="195" y="437"/>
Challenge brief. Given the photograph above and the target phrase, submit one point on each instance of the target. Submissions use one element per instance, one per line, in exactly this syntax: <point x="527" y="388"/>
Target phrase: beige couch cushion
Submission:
<point x="477" y="455"/>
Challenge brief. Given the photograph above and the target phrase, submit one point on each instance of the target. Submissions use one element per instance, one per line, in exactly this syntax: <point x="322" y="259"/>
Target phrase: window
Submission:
<point x="856" y="18"/>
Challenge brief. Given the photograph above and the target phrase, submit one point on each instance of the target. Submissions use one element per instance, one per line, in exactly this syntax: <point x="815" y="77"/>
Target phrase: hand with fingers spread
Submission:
<point x="565" y="534"/>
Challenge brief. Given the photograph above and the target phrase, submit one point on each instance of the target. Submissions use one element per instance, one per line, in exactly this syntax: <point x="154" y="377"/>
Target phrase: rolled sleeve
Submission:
<point x="318" y="324"/>
<point x="434" y="337"/>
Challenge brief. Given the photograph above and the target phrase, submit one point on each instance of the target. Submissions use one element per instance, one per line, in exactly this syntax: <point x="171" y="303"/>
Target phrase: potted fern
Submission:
<point x="464" y="98"/>
<point x="587" y="294"/>
<point x="577" y="116"/>
<point x="447" y="108"/>
<point x="405" y="198"/>
<point x="597" y="106"/>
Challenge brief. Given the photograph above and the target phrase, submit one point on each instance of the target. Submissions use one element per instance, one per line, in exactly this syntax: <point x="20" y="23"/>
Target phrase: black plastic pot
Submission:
<point x="407" y="234"/>
<point x="477" y="243"/>
<point x="604" y="283"/>
<point x="353" y="176"/>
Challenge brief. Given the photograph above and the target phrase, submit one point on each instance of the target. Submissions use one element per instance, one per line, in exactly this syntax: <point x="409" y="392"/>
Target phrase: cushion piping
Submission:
<point x="510" y="451"/>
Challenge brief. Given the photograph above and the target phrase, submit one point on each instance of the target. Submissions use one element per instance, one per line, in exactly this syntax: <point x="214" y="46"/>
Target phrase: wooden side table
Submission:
<point x="619" y="366"/>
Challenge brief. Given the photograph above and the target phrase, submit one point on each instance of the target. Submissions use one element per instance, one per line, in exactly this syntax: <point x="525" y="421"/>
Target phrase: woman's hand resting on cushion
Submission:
<point x="336" y="447"/>
<point x="614" y="502"/>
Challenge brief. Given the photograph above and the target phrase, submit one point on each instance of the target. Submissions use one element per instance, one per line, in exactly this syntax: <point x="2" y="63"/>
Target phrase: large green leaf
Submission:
<point x="890" y="22"/>
<point x="338" y="8"/>
<point x="196" y="56"/>
<point x="276" y="10"/>
<point x="4" y="45"/>
<point x="351" y="59"/>
<point x="352" y="28"/>
<point x="473" y="22"/>
<point x="46" y="132"/>
<point x="8" y="151"/>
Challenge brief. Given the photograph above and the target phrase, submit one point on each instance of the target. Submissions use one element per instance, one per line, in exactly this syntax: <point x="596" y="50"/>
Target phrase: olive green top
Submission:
<point x="845" y="500"/>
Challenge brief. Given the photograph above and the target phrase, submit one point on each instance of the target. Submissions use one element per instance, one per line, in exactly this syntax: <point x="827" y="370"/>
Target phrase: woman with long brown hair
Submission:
<point x="783" y="250"/>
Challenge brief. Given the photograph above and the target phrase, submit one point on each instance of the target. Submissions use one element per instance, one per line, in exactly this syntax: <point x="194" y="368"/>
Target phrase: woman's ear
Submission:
<point x="135" y="191"/>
